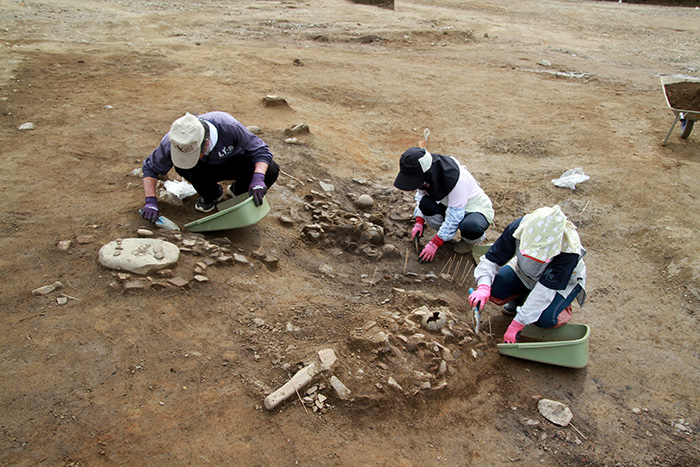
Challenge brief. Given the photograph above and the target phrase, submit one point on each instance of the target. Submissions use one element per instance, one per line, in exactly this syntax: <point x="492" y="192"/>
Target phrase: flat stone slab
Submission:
<point x="139" y="255"/>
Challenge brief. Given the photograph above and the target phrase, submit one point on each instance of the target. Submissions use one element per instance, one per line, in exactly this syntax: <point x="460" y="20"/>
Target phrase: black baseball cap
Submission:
<point x="411" y="175"/>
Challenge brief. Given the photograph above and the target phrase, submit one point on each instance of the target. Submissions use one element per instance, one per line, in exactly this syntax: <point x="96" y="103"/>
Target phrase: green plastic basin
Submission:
<point x="234" y="213"/>
<point x="564" y="346"/>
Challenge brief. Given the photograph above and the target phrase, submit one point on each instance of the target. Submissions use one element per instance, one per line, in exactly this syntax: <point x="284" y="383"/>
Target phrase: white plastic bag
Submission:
<point x="570" y="178"/>
<point x="181" y="189"/>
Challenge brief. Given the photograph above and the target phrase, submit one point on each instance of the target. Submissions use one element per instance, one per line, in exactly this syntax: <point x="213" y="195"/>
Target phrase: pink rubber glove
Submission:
<point x="513" y="332"/>
<point x="417" y="228"/>
<point x="430" y="249"/>
<point x="480" y="296"/>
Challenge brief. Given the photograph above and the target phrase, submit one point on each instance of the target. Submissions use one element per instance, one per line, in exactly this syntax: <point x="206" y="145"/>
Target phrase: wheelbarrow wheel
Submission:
<point x="686" y="127"/>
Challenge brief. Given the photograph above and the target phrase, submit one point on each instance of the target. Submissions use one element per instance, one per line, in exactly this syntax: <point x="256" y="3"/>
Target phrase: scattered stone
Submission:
<point x="325" y="269"/>
<point x="292" y="328"/>
<point x="555" y="412"/>
<point x="170" y="198"/>
<point x="364" y="202"/>
<point x="256" y="130"/>
<point x="259" y="322"/>
<point x="47" y="289"/>
<point x="26" y="126"/>
<point x="327" y="187"/>
<point x="296" y="130"/>
<point x="299" y="381"/>
<point x="144" y="233"/>
<point x="291" y="141"/>
<point x="138" y="255"/>
<point x="201" y="278"/>
<point x="64" y="245"/>
<point x="274" y="101"/>
<point x="327" y="357"/>
<point x="392" y="382"/>
<point x="178" y="281"/>
<point x="61" y="300"/>
<point x="546" y="63"/>
<point x="284" y="220"/>
<point x="340" y="389"/>
<point x="85" y="239"/>
<point x="240" y="259"/>
<point x="134" y="285"/>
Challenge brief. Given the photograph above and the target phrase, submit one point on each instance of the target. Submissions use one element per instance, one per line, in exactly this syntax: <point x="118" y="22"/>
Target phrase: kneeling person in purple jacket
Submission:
<point x="205" y="150"/>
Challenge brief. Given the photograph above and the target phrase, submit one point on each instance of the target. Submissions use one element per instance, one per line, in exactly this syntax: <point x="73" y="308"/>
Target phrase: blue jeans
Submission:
<point x="507" y="286"/>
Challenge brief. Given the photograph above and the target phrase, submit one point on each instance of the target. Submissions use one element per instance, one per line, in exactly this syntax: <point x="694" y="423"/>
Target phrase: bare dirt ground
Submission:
<point x="518" y="91"/>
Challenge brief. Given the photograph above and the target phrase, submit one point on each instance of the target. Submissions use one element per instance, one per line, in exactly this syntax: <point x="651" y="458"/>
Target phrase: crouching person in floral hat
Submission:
<point x="535" y="269"/>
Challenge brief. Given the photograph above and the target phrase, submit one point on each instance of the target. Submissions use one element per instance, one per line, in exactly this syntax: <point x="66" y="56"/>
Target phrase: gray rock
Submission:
<point x="47" y="289"/>
<point x="364" y="202"/>
<point x="296" y="130"/>
<point x="274" y="101"/>
<point x="555" y="412"/>
<point x="170" y="198"/>
<point x="327" y="187"/>
<point x="26" y="126"/>
<point x="256" y="130"/>
<point x="240" y="259"/>
<point x="138" y="255"/>
<point x="340" y="389"/>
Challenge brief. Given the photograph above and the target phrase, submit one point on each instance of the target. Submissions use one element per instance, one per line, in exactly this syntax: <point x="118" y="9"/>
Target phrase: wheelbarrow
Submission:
<point x="686" y="116"/>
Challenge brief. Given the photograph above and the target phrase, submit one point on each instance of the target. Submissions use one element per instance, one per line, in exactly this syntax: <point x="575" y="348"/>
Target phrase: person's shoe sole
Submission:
<point x="201" y="209"/>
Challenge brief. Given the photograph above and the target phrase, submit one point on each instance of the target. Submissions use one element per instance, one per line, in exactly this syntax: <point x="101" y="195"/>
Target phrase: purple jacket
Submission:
<point x="232" y="140"/>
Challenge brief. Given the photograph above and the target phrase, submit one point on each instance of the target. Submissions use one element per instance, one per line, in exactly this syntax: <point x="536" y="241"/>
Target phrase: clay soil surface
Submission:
<point x="168" y="374"/>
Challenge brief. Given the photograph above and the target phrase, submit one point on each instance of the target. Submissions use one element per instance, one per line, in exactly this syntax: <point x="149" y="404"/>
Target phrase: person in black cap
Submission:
<point x="448" y="199"/>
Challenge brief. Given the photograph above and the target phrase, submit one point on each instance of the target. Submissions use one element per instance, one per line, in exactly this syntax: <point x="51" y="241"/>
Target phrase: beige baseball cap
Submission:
<point x="186" y="136"/>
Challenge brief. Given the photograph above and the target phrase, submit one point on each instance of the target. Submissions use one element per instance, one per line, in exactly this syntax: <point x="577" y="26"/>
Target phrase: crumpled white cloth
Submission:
<point x="181" y="189"/>
<point x="570" y="178"/>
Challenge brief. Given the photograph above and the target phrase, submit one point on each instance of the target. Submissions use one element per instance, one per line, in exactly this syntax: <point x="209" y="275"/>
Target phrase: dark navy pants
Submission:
<point x="472" y="226"/>
<point x="507" y="286"/>
<point x="205" y="177"/>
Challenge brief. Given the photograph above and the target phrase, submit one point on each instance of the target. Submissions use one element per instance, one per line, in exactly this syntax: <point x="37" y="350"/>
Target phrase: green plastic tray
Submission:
<point x="234" y="213"/>
<point x="564" y="346"/>
<point x="480" y="250"/>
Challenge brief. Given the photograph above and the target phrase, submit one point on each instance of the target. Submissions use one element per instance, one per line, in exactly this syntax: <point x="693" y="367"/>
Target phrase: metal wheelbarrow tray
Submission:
<point x="686" y="116"/>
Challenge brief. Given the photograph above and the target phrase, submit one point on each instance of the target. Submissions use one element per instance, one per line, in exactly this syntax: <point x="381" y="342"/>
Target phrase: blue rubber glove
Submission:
<point x="257" y="188"/>
<point x="150" y="211"/>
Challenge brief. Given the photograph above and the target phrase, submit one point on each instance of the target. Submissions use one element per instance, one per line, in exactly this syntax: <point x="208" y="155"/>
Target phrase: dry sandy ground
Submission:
<point x="177" y="375"/>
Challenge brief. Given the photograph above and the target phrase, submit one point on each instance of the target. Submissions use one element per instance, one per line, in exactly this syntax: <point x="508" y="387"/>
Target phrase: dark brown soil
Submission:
<point x="684" y="96"/>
